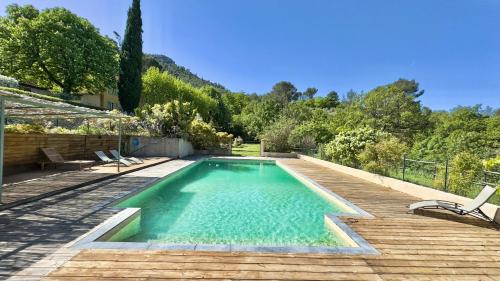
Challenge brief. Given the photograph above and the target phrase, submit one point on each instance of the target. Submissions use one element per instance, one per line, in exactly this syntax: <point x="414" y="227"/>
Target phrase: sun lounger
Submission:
<point x="116" y="155"/>
<point x="473" y="208"/>
<point x="104" y="158"/>
<point x="55" y="158"/>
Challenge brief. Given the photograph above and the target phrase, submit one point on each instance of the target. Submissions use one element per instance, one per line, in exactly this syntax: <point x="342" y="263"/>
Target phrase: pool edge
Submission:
<point x="90" y="239"/>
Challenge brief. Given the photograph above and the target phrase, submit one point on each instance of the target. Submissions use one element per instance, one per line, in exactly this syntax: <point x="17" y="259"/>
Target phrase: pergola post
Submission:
<point x="2" y="143"/>
<point x="119" y="142"/>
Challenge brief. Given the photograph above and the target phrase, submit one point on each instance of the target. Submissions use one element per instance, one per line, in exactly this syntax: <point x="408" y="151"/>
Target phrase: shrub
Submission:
<point x="276" y="135"/>
<point x="465" y="169"/>
<point x="25" y="129"/>
<point x="203" y="136"/>
<point x="346" y="146"/>
<point x="381" y="156"/>
<point x="492" y="164"/>
<point x="167" y="120"/>
<point x="9" y="82"/>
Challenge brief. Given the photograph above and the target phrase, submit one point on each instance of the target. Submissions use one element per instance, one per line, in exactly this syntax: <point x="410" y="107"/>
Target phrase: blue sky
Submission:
<point x="451" y="47"/>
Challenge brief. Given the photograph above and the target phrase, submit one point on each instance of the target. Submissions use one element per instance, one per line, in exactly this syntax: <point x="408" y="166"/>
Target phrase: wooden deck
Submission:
<point x="429" y="246"/>
<point x="49" y="184"/>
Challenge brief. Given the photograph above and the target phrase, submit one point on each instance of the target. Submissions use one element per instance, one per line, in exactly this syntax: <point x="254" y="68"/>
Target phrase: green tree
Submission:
<point x="284" y="92"/>
<point x="57" y="49"/>
<point x="129" y="82"/>
<point x="409" y="87"/>
<point x="331" y="100"/>
<point x="220" y="115"/>
<point x="390" y="109"/>
<point x="310" y="92"/>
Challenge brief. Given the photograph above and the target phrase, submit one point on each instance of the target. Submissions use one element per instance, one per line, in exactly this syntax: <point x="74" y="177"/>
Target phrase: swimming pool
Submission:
<point x="242" y="204"/>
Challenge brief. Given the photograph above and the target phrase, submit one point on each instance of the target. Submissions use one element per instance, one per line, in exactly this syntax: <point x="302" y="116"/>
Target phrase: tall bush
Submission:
<point x="465" y="171"/>
<point x="162" y="87"/>
<point x="346" y="146"/>
<point x="203" y="136"/>
<point x="383" y="155"/>
<point x="276" y="135"/>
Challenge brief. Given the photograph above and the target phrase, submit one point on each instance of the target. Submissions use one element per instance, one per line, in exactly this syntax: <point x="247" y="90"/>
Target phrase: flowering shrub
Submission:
<point x="10" y="82"/>
<point x="203" y="136"/>
<point x="346" y="146"/>
<point x="25" y="129"/>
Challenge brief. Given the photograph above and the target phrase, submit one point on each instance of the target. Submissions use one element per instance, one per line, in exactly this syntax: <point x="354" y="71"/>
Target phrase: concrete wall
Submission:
<point x="156" y="146"/>
<point x="425" y="193"/>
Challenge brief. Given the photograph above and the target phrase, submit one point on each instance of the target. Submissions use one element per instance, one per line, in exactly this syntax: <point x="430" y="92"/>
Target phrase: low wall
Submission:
<point x="156" y="146"/>
<point x="22" y="151"/>
<point x="416" y="190"/>
<point x="278" y="154"/>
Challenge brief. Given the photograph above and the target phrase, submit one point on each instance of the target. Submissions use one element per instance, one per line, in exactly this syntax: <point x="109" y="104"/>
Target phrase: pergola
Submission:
<point x="39" y="107"/>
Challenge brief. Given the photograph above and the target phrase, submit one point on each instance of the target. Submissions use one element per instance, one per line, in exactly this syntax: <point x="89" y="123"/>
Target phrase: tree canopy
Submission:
<point x="55" y="48"/>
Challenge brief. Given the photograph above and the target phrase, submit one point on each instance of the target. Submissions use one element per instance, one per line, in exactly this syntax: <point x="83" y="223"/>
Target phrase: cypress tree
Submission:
<point x="129" y="83"/>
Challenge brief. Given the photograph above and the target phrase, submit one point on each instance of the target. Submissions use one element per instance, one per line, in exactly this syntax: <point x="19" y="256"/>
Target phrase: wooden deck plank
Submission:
<point x="413" y="247"/>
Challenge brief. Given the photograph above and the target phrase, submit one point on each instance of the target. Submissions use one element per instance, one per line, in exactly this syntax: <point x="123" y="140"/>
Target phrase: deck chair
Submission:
<point x="117" y="155"/>
<point x="473" y="208"/>
<point x="55" y="158"/>
<point x="104" y="158"/>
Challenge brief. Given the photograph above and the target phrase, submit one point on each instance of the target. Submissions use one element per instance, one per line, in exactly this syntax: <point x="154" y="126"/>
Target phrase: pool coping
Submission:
<point x="112" y="225"/>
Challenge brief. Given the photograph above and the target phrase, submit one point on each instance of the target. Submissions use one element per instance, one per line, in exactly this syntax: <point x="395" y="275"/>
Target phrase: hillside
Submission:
<point x="178" y="71"/>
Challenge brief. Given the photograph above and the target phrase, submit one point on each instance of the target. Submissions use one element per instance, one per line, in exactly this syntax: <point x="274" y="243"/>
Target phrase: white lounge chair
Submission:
<point x="104" y="158"/>
<point x="117" y="155"/>
<point x="473" y="208"/>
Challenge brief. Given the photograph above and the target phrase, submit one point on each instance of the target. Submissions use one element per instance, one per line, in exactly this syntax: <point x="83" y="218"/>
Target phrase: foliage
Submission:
<point x="55" y="48"/>
<point x="129" y="82"/>
<point x="203" y="136"/>
<point x="309" y="93"/>
<point x="492" y="164"/>
<point x="390" y="109"/>
<point x="331" y="100"/>
<point x="284" y="92"/>
<point x="461" y="130"/>
<point x="276" y="135"/>
<point x="162" y="87"/>
<point x="8" y="82"/>
<point x="220" y="116"/>
<point x="313" y="131"/>
<point x="465" y="171"/>
<point x="383" y="155"/>
<point x="346" y="146"/>
<point x="170" y="119"/>
<point x="25" y="129"/>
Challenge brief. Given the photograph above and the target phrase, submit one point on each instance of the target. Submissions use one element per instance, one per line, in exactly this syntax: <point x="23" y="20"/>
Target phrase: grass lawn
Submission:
<point x="247" y="149"/>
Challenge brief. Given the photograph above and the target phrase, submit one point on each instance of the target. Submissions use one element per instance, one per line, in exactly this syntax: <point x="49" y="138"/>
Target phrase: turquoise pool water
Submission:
<point x="232" y="202"/>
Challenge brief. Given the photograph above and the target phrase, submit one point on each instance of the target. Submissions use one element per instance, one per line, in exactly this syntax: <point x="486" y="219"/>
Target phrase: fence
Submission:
<point x="432" y="174"/>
